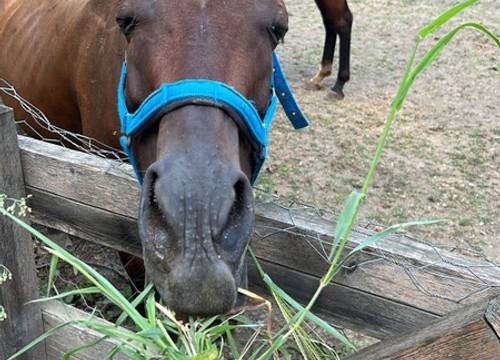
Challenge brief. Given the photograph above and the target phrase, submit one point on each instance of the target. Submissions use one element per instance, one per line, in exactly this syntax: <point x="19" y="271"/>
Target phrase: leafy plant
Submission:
<point x="20" y="208"/>
<point x="154" y="333"/>
<point x="5" y="275"/>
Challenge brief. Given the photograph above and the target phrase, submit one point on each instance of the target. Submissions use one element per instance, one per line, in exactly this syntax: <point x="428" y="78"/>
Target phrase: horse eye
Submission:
<point x="127" y="23"/>
<point x="277" y="33"/>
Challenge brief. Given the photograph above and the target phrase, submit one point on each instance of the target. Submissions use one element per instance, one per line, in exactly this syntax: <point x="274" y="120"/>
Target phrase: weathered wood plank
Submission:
<point x="399" y="270"/>
<point x="493" y="315"/>
<point x="101" y="226"/>
<point x="367" y="313"/>
<point x="91" y="180"/>
<point x="462" y="335"/>
<point x="73" y="336"/>
<point x="86" y="222"/>
<point x="16" y="253"/>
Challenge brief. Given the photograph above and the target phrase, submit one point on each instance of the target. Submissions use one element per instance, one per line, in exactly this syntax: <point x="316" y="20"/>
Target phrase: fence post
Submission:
<point x="24" y="322"/>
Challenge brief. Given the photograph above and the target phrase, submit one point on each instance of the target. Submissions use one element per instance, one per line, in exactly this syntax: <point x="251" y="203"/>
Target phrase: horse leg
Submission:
<point x="344" y="54"/>
<point x="328" y="51"/>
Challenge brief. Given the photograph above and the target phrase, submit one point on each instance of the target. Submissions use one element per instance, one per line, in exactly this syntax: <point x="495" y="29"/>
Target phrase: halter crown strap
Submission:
<point x="285" y="96"/>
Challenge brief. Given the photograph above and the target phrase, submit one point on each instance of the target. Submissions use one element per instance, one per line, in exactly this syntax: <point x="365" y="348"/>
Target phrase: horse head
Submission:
<point x="194" y="155"/>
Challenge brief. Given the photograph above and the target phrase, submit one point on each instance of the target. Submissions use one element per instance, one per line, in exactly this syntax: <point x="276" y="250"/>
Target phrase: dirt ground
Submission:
<point x="442" y="159"/>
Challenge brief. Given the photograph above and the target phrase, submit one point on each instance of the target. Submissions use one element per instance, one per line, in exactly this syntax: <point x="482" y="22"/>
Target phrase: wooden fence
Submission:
<point x="398" y="286"/>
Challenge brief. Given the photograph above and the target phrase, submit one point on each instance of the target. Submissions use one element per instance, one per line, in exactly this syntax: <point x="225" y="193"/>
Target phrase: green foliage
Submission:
<point x="152" y="336"/>
<point x="20" y="208"/>
<point x="5" y="275"/>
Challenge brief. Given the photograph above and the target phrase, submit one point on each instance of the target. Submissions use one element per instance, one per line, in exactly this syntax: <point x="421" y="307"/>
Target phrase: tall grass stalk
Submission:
<point x="356" y="199"/>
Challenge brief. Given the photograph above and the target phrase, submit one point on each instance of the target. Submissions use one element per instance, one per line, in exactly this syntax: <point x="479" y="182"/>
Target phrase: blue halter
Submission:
<point x="170" y="96"/>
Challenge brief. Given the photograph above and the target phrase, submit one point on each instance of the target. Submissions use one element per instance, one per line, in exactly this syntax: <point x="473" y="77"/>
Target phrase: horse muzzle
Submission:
<point x="195" y="226"/>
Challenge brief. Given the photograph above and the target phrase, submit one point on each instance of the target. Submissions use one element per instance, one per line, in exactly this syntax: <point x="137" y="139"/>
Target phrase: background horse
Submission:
<point x="196" y="209"/>
<point x="337" y="19"/>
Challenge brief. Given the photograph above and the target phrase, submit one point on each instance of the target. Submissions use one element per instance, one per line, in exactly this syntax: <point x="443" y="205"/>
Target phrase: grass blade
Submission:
<point x="70" y="354"/>
<point x="122" y="348"/>
<point x="52" y="273"/>
<point x="275" y="289"/>
<point x="85" y="291"/>
<point x="91" y="274"/>
<point x="44" y="337"/>
<point x="310" y="316"/>
<point x="116" y="332"/>
<point x="151" y="309"/>
<point x="389" y="231"/>
<point x="343" y="223"/>
<point x="432" y="54"/>
<point x="444" y="17"/>
<point x="166" y="335"/>
<point x="139" y="299"/>
<point x="210" y="354"/>
<point x="233" y="348"/>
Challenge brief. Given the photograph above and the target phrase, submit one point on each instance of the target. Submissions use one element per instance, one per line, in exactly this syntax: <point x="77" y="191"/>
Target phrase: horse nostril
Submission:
<point x="239" y="219"/>
<point x="243" y="199"/>
<point x="149" y="187"/>
<point x="153" y="219"/>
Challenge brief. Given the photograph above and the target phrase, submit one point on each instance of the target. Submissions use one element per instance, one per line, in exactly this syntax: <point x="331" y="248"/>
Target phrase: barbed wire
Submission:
<point x="473" y="275"/>
<point x="36" y="121"/>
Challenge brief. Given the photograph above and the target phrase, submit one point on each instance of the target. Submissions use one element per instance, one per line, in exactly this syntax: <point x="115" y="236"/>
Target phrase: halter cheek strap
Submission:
<point x="170" y="96"/>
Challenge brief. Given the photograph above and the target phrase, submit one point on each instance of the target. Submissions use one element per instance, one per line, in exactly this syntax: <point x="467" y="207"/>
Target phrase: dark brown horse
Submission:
<point x="196" y="212"/>
<point x="337" y="19"/>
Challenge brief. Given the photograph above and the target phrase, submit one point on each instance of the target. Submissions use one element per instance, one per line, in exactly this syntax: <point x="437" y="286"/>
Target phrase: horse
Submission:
<point x="337" y="20"/>
<point x="195" y="97"/>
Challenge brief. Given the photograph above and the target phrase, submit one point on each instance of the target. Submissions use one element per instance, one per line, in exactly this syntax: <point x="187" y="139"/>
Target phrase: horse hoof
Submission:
<point x="313" y="85"/>
<point x="335" y="94"/>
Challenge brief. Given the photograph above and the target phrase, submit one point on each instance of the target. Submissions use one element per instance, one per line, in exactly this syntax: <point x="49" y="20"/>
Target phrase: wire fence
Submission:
<point x="37" y="124"/>
<point x="469" y="270"/>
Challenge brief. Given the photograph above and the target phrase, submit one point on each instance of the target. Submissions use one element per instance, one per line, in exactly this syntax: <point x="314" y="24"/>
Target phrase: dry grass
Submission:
<point x="443" y="156"/>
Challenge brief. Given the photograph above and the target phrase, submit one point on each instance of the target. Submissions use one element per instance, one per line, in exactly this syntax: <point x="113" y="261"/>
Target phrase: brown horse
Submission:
<point x="196" y="212"/>
<point x="337" y="19"/>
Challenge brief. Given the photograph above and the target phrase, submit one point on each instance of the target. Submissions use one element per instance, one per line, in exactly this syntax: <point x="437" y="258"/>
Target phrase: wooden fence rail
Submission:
<point x="96" y="199"/>
<point x="71" y="337"/>
<point x="471" y="332"/>
<point x="398" y="286"/>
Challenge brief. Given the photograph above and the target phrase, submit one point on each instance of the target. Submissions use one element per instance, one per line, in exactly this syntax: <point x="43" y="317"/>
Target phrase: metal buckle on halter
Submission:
<point x="170" y="96"/>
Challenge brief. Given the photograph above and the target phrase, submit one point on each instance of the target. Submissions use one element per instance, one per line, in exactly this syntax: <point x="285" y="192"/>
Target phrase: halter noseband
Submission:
<point x="170" y="96"/>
